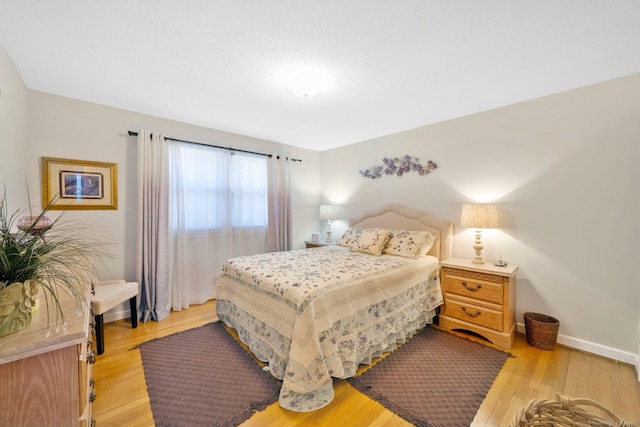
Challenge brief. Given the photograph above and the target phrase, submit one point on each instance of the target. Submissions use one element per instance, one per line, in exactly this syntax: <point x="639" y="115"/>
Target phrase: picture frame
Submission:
<point x="69" y="184"/>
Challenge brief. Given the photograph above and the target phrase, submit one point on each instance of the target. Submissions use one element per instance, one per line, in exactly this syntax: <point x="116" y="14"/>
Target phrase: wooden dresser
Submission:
<point x="479" y="298"/>
<point x="46" y="381"/>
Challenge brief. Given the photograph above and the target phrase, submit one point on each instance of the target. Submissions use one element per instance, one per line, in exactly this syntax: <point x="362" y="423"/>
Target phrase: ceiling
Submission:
<point x="387" y="66"/>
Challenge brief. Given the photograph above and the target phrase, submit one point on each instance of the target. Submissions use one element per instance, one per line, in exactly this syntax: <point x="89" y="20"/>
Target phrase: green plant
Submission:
<point x="53" y="253"/>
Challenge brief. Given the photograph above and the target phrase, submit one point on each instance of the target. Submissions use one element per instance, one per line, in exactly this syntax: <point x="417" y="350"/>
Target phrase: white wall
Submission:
<point x="563" y="170"/>
<point x="13" y="133"/>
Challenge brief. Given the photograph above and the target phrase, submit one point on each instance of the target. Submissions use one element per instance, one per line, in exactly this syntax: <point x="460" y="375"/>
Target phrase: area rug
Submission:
<point x="203" y="377"/>
<point x="436" y="379"/>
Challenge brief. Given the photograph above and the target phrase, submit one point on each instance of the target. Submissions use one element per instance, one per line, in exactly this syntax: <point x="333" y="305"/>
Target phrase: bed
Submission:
<point x="317" y="314"/>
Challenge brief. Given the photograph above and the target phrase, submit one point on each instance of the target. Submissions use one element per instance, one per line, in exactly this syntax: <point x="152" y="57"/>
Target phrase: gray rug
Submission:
<point x="203" y="377"/>
<point x="435" y="380"/>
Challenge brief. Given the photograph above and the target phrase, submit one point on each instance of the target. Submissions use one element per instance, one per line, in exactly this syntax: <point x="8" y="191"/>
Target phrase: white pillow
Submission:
<point x="428" y="243"/>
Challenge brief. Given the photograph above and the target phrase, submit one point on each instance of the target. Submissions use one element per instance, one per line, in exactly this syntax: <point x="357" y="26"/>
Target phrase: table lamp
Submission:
<point x="327" y="213"/>
<point x="479" y="216"/>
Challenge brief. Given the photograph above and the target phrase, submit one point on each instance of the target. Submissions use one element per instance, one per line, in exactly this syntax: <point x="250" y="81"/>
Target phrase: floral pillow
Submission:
<point x="372" y="241"/>
<point x="409" y="244"/>
<point x="350" y="237"/>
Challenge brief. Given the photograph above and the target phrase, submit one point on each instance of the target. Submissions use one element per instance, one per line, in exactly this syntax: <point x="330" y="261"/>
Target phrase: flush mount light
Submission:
<point x="305" y="83"/>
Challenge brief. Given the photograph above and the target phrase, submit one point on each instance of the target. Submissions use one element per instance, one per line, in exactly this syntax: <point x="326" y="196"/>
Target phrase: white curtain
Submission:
<point x="223" y="197"/>
<point x="198" y="207"/>
<point x="279" y="235"/>
<point x="152" y="249"/>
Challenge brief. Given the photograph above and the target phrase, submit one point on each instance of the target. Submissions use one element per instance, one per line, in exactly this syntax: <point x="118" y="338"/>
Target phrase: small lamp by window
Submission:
<point x="479" y="216"/>
<point x="327" y="213"/>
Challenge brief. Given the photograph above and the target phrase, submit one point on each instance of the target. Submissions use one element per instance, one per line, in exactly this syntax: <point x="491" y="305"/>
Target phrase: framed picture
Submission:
<point x="79" y="184"/>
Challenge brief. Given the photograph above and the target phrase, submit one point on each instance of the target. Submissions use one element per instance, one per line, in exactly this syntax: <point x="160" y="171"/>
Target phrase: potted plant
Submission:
<point x="40" y="254"/>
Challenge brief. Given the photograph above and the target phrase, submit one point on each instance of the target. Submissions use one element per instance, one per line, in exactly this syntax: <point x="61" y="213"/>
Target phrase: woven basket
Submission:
<point x="563" y="412"/>
<point x="542" y="330"/>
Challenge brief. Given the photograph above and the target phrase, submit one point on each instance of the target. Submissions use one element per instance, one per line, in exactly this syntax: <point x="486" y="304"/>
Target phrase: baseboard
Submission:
<point x="117" y="314"/>
<point x="598" y="349"/>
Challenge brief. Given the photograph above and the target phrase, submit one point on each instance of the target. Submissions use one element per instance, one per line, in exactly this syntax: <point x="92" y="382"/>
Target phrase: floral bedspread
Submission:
<point x="314" y="314"/>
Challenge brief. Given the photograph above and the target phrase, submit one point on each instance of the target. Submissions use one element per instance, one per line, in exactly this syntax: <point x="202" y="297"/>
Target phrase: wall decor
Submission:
<point x="399" y="166"/>
<point x="79" y="184"/>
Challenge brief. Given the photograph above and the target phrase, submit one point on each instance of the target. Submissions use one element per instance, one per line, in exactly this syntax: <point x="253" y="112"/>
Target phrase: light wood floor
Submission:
<point x="122" y="398"/>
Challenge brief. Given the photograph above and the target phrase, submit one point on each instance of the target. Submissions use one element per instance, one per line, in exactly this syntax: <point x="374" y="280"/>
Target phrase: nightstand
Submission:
<point x="479" y="298"/>
<point x="310" y="244"/>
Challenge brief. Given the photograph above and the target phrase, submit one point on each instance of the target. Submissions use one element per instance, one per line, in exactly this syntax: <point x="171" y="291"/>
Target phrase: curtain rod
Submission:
<point x="132" y="133"/>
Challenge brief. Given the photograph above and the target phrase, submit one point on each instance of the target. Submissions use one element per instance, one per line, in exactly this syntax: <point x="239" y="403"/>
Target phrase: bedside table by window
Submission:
<point x="310" y="244"/>
<point x="479" y="298"/>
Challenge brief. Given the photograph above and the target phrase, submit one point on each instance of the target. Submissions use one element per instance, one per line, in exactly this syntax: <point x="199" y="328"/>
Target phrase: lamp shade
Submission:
<point x="479" y="215"/>
<point x="328" y="212"/>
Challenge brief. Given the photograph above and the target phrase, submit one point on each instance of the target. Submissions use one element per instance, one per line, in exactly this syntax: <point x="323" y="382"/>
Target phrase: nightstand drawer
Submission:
<point x="475" y="314"/>
<point x="473" y="288"/>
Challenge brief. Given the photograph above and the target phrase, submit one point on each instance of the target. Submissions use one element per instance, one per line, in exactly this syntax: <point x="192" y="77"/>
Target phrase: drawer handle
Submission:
<point x="471" y="288"/>
<point x="469" y="313"/>
<point x="91" y="357"/>
<point x="92" y="396"/>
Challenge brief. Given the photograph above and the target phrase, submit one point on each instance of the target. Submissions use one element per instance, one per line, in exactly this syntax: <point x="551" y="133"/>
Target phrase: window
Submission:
<point x="222" y="189"/>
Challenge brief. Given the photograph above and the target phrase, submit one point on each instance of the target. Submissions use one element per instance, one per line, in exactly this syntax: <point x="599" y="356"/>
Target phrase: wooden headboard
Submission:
<point x="399" y="217"/>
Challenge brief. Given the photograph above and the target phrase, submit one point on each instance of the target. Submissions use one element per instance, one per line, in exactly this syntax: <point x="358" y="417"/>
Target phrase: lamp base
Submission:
<point x="328" y="239"/>
<point x="477" y="246"/>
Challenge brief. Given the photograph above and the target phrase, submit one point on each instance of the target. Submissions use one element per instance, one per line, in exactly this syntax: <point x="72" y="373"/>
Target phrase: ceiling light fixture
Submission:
<point x="305" y="83"/>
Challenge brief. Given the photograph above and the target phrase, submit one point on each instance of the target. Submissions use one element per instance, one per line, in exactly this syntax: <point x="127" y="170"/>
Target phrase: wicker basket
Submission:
<point x="542" y="330"/>
<point x="563" y="412"/>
